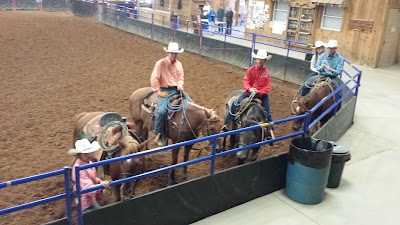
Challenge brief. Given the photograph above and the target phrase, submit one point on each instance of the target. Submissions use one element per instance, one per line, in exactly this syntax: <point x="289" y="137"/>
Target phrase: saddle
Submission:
<point x="93" y="128"/>
<point x="150" y="102"/>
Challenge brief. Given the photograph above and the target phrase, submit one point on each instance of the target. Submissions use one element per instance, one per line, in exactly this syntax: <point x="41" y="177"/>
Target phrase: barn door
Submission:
<point x="392" y="36"/>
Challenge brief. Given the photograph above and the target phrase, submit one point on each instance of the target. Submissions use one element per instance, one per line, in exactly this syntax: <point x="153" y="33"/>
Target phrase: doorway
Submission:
<point x="391" y="41"/>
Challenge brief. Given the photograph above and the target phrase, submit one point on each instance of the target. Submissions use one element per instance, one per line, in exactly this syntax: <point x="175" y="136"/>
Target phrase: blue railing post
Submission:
<point x="213" y="152"/>
<point x="78" y="196"/>
<point x="286" y="60"/>
<point x="306" y="123"/>
<point x="68" y="193"/>
<point x="124" y="10"/>
<point x="253" y="47"/>
<point x="358" y="83"/>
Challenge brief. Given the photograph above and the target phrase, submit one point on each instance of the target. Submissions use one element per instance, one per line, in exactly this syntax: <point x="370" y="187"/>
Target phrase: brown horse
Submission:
<point x="304" y="103"/>
<point x="197" y="119"/>
<point x="128" y="145"/>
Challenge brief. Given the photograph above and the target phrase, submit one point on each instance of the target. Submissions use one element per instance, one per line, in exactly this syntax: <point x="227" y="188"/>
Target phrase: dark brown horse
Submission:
<point x="197" y="119"/>
<point x="127" y="145"/>
<point x="304" y="103"/>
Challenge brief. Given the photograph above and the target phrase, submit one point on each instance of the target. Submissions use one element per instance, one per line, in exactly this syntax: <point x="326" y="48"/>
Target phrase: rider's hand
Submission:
<point x="253" y="90"/>
<point x="163" y="94"/>
<point x="328" y="68"/>
<point x="105" y="183"/>
<point x="180" y="87"/>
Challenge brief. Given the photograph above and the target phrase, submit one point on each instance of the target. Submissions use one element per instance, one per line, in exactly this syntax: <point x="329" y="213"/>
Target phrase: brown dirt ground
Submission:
<point x="54" y="66"/>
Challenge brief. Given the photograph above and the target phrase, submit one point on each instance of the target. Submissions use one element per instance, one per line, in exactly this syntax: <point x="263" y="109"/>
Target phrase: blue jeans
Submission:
<point x="304" y="89"/>
<point x="162" y="109"/>
<point x="264" y="102"/>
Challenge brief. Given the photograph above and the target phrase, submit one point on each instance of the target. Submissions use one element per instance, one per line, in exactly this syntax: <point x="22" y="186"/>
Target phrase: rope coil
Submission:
<point x="104" y="130"/>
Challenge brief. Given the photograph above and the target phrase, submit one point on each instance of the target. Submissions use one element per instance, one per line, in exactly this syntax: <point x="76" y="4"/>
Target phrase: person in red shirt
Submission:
<point x="258" y="80"/>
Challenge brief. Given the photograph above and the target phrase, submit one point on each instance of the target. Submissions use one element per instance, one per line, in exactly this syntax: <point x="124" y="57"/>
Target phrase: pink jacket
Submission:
<point x="87" y="179"/>
<point x="166" y="74"/>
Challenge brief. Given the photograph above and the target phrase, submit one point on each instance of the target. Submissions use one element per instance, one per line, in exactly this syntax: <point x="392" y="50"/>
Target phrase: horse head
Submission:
<point x="129" y="167"/>
<point x="301" y="106"/>
<point x="307" y="102"/>
<point x="247" y="138"/>
<point x="212" y="125"/>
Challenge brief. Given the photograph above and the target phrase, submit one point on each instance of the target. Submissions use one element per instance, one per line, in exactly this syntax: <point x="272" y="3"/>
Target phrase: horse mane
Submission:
<point x="251" y="116"/>
<point x="214" y="114"/>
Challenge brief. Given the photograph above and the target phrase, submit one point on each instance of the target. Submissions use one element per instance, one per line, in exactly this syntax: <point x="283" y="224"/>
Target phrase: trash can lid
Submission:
<point x="339" y="149"/>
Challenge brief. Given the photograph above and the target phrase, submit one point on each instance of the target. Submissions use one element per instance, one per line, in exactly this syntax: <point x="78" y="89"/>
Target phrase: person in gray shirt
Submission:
<point x="220" y="18"/>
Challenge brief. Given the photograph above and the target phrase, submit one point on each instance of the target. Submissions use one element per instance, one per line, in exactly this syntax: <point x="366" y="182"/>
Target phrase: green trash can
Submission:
<point x="307" y="173"/>
<point x="340" y="155"/>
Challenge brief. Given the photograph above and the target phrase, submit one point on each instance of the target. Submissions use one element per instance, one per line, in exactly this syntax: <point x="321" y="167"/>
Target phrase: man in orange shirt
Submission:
<point x="257" y="80"/>
<point x="166" y="80"/>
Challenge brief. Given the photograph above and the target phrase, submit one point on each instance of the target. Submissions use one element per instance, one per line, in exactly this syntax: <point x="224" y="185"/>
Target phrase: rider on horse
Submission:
<point x="258" y="81"/>
<point x="329" y="65"/>
<point x="166" y="80"/>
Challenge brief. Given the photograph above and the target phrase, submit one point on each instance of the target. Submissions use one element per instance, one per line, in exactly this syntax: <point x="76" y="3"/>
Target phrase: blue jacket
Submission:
<point x="211" y="16"/>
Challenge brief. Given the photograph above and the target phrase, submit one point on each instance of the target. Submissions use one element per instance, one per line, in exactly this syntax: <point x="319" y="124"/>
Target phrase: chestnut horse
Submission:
<point x="304" y="103"/>
<point x="197" y="119"/>
<point x="127" y="145"/>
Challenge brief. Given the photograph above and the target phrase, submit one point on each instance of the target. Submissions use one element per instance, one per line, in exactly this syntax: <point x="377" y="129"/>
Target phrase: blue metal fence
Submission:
<point x="69" y="194"/>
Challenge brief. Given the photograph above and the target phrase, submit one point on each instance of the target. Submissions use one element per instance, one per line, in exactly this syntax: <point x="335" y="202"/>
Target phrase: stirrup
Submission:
<point x="225" y="128"/>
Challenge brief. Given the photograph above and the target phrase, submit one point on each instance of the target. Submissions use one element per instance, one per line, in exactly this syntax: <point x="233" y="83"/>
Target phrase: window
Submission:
<point x="332" y="18"/>
<point x="281" y="10"/>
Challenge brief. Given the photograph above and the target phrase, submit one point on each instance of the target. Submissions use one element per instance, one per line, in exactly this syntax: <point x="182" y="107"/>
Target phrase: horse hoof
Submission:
<point x="171" y="182"/>
<point x="240" y="162"/>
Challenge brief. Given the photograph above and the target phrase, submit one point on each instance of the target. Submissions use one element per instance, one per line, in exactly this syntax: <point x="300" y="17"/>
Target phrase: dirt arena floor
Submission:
<point x="54" y="66"/>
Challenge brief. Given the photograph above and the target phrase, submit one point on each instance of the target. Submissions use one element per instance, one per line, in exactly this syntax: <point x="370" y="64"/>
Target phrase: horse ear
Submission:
<point x="141" y="146"/>
<point x="131" y="125"/>
<point x="122" y="144"/>
<point x="116" y="129"/>
<point x="208" y="115"/>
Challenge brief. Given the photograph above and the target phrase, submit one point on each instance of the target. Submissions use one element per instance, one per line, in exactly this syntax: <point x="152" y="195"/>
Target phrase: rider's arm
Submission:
<point x="247" y="80"/>
<point x="265" y="90"/>
<point x="180" y="73"/>
<point x="338" y="67"/>
<point x="155" y="77"/>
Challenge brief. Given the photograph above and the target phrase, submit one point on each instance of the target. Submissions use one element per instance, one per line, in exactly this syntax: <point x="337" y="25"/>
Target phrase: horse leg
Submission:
<point x="185" y="159"/>
<point x="171" y="180"/>
<point x="115" y="193"/>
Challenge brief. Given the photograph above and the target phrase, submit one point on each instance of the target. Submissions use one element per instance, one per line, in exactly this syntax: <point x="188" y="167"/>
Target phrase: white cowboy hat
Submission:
<point x="319" y="44"/>
<point x="332" y="44"/>
<point x="173" y="47"/>
<point x="84" y="146"/>
<point x="261" y="54"/>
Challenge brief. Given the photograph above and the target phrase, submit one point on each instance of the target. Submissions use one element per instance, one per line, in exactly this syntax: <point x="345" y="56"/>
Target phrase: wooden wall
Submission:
<point x="358" y="47"/>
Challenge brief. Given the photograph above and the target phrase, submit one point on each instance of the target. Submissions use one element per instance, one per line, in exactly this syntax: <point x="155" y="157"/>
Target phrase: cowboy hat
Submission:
<point x="261" y="54"/>
<point x="173" y="47"/>
<point x="332" y="44"/>
<point x="319" y="44"/>
<point x="84" y="146"/>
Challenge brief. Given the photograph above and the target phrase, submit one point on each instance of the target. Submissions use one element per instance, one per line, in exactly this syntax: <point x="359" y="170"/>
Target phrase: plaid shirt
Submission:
<point x="335" y="62"/>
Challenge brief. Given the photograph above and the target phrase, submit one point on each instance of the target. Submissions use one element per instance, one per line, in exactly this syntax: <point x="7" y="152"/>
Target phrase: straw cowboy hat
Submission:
<point x="173" y="47"/>
<point x="84" y="146"/>
<point x="332" y="44"/>
<point x="261" y="54"/>
<point x="319" y="44"/>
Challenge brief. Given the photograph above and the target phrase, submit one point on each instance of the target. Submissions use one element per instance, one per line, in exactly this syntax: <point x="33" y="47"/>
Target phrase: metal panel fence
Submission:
<point x="129" y="20"/>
